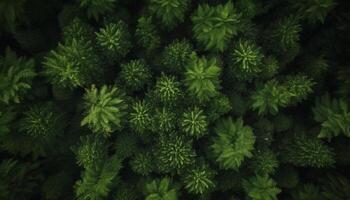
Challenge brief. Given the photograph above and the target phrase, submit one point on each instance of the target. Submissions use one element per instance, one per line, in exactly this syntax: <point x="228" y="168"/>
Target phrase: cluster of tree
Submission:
<point x="174" y="99"/>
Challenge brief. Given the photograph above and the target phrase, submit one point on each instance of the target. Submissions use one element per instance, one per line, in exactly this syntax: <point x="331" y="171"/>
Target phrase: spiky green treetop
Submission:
<point x="16" y="75"/>
<point x="333" y="115"/>
<point x="91" y="151"/>
<point x="314" y="10"/>
<point x="73" y="64"/>
<point x="96" y="8"/>
<point x="261" y="188"/>
<point x="286" y="33"/>
<point x="43" y="121"/>
<point x="202" y="77"/>
<point x="164" y="120"/>
<point x="194" y="123"/>
<point x="147" y="34"/>
<point x="246" y="60"/>
<point x="233" y="143"/>
<point x="140" y="118"/>
<point x="135" y="74"/>
<point x="199" y="179"/>
<point x="174" y="152"/>
<point x="214" y="26"/>
<point x="167" y="89"/>
<point x="170" y="12"/>
<point x="264" y="162"/>
<point x="176" y="56"/>
<point x="114" y="39"/>
<point x="307" y="151"/>
<point x="142" y="163"/>
<point x="104" y="108"/>
<point x="160" y="189"/>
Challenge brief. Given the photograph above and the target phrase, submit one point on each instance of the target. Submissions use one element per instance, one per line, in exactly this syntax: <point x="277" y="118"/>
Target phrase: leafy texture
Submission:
<point x="104" y="109"/>
<point x="160" y="190"/>
<point x="261" y="188"/>
<point x="147" y="34"/>
<point x="96" y="183"/>
<point x="170" y="12"/>
<point x="140" y="118"/>
<point x="135" y="74"/>
<point x="91" y="151"/>
<point x="96" y="8"/>
<point x="16" y="75"/>
<point x="174" y="153"/>
<point x="214" y="26"/>
<point x="333" y="115"/>
<point x="233" y="143"/>
<point x="306" y="151"/>
<point x="245" y="60"/>
<point x="314" y="10"/>
<point x="194" y="123"/>
<point x="113" y="39"/>
<point x="202" y="77"/>
<point x="199" y="180"/>
<point x="176" y="56"/>
<point x="72" y="64"/>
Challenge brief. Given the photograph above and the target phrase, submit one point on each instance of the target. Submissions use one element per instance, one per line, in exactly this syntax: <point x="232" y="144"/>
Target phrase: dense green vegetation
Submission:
<point x="174" y="99"/>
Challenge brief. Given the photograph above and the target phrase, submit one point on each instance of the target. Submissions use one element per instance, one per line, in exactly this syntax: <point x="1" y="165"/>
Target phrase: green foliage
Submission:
<point x="333" y="115"/>
<point x="104" y="109"/>
<point x="170" y="12"/>
<point x="126" y="145"/>
<point x="78" y="30"/>
<point x="147" y="34"/>
<point x="135" y="74"/>
<point x="199" y="180"/>
<point x="207" y="99"/>
<point x="335" y="187"/>
<point x="174" y="153"/>
<point x="11" y="14"/>
<point x="270" y="67"/>
<point x="270" y="98"/>
<point x="96" y="183"/>
<point x="234" y="142"/>
<point x="43" y="121"/>
<point x="194" y="123"/>
<point x="264" y="162"/>
<point x="274" y="95"/>
<point x="306" y="151"/>
<point x="16" y="179"/>
<point x="314" y="10"/>
<point x="125" y="192"/>
<point x="214" y="26"/>
<point x="96" y="8"/>
<point x="202" y="77"/>
<point x="298" y="87"/>
<point x="286" y="33"/>
<point x="114" y="39"/>
<point x="73" y="64"/>
<point x="142" y="163"/>
<point x="245" y="60"/>
<point x="16" y="75"/>
<point x="140" y="118"/>
<point x="160" y="190"/>
<point x="176" y="56"/>
<point x="6" y="117"/>
<point x="217" y="107"/>
<point x="91" y="151"/>
<point x="261" y="188"/>
<point x="308" y="192"/>
<point x="167" y="89"/>
<point x="164" y="120"/>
